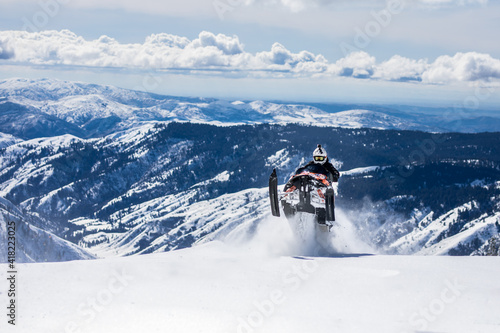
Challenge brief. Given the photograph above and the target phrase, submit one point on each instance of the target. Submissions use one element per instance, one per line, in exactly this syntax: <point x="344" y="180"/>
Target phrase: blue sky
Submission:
<point x="431" y="52"/>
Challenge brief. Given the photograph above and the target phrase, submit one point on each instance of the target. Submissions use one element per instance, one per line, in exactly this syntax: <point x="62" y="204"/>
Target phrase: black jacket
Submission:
<point x="333" y="174"/>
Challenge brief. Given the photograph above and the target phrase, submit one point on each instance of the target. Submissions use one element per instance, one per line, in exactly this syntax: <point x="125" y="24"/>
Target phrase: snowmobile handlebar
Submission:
<point x="318" y="179"/>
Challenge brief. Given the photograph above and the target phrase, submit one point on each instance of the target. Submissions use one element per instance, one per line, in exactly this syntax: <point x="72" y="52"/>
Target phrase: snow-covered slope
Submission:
<point x="33" y="244"/>
<point x="448" y="234"/>
<point x="224" y="288"/>
<point x="172" y="222"/>
<point x="7" y="140"/>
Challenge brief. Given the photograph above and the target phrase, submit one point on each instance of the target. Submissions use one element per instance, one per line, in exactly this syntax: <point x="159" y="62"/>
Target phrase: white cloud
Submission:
<point x="281" y="58"/>
<point x="469" y="66"/>
<point x="164" y="39"/>
<point x="222" y="53"/>
<point x="159" y="51"/>
<point x="401" y="69"/>
<point x="356" y="64"/>
<point x="228" y="45"/>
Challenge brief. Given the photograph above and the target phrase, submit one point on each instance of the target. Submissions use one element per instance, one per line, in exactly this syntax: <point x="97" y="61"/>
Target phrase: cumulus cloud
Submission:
<point x="228" y="45"/>
<point x="168" y="40"/>
<point x="281" y="58"/>
<point x="159" y="51"/>
<point x="222" y="53"/>
<point x="469" y="66"/>
<point x="356" y="64"/>
<point x="399" y="68"/>
<point x="462" y="67"/>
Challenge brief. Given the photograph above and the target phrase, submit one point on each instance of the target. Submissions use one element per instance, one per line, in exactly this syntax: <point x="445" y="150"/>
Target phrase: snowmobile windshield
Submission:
<point x="313" y="168"/>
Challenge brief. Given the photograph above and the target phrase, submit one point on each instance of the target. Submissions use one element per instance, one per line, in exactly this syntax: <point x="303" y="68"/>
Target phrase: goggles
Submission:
<point x="319" y="158"/>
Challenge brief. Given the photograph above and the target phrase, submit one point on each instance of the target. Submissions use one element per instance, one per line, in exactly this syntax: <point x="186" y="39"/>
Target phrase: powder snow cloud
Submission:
<point x="219" y="53"/>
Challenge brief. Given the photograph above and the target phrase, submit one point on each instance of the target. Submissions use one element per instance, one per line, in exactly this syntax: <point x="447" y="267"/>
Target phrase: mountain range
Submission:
<point x="35" y="108"/>
<point x="104" y="171"/>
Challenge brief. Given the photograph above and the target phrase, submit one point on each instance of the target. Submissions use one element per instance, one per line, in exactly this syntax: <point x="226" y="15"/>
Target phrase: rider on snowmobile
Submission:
<point x="321" y="158"/>
<point x="322" y="173"/>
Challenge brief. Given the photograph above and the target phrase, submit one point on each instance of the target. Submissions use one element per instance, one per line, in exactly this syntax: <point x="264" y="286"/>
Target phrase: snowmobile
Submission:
<point x="308" y="192"/>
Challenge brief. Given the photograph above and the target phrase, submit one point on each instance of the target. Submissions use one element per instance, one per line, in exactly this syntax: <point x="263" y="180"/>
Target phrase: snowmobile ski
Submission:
<point x="330" y="205"/>
<point x="273" y="194"/>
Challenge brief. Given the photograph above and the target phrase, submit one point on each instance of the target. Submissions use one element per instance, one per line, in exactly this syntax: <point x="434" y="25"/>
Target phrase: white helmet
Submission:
<point x="319" y="155"/>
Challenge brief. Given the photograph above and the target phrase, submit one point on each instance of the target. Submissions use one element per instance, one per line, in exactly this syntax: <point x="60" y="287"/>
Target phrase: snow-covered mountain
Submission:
<point x="108" y="170"/>
<point x="94" y="110"/>
<point x="158" y="188"/>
